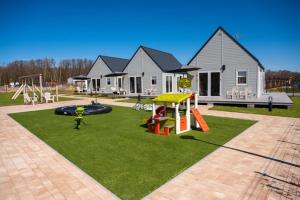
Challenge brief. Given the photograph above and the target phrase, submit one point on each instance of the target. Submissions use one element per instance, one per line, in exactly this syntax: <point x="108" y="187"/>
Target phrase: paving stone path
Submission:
<point x="260" y="163"/>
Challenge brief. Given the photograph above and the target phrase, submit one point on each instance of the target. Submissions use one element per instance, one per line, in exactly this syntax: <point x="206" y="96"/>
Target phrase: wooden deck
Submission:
<point x="279" y="99"/>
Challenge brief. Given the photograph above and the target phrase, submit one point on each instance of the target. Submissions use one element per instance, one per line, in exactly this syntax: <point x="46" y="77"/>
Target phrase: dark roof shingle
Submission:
<point x="115" y="64"/>
<point x="164" y="60"/>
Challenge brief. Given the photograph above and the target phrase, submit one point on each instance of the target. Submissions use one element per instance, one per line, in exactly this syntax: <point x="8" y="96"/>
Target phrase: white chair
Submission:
<point x="229" y="94"/>
<point x="78" y="89"/>
<point x="249" y="92"/>
<point x="114" y="90"/>
<point x="123" y="91"/>
<point x="48" y="97"/>
<point x="28" y="99"/>
<point x="243" y="94"/>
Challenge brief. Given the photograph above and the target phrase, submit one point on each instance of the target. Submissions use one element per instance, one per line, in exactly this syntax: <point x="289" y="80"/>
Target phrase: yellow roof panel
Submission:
<point x="171" y="97"/>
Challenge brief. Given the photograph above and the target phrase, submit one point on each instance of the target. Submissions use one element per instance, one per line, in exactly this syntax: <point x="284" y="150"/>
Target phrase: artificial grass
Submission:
<point x="134" y="100"/>
<point x="117" y="150"/>
<point x="5" y="99"/>
<point x="292" y="112"/>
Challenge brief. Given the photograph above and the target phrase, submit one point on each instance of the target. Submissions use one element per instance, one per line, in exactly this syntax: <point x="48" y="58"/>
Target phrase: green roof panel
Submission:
<point x="171" y="97"/>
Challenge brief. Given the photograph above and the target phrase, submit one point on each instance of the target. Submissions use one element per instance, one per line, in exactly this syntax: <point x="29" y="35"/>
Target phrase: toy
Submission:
<point x="162" y="123"/>
<point x="79" y="116"/>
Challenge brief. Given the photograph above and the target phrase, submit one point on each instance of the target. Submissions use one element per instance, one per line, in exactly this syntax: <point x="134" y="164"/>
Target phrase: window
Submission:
<point x="108" y="81"/>
<point x="153" y="80"/>
<point x="241" y="77"/>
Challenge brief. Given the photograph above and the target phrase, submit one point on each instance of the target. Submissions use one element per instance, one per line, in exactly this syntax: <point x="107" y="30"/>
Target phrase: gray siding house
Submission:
<point x="148" y="73"/>
<point x="106" y="74"/>
<point x="227" y="69"/>
<point x="222" y="68"/>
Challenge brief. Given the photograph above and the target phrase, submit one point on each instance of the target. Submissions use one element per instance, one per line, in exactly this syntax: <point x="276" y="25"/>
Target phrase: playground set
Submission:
<point x="175" y="113"/>
<point x="38" y="93"/>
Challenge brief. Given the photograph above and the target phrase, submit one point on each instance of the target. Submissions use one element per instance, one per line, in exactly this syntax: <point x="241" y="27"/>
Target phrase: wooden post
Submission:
<point x="41" y="87"/>
<point x="153" y="110"/>
<point x="188" y="114"/>
<point x="56" y="93"/>
<point x="32" y="91"/>
<point x="177" y="118"/>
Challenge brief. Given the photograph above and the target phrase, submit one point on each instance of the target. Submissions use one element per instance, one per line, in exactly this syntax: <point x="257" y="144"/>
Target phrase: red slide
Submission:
<point x="200" y="119"/>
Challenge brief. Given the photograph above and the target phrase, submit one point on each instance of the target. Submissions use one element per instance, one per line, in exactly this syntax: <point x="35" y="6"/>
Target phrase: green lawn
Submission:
<point x="292" y="112"/>
<point x="134" y="100"/>
<point x="118" y="151"/>
<point x="5" y="99"/>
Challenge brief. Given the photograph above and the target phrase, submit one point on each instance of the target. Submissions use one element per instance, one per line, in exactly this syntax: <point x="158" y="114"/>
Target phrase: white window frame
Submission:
<point x="108" y="78"/>
<point x="153" y="79"/>
<point x="237" y="77"/>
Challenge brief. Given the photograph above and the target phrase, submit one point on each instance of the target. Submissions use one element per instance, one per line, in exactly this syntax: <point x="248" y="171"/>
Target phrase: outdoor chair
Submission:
<point x="28" y="99"/>
<point x="78" y="89"/>
<point x="249" y="92"/>
<point x="114" y="90"/>
<point x="123" y="91"/>
<point x="229" y="94"/>
<point x="243" y="94"/>
<point x="49" y="97"/>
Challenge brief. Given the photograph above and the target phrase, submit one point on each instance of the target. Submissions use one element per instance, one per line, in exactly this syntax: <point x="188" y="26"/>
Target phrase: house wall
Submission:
<point x="98" y="69"/>
<point x="140" y="63"/>
<point x="221" y="50"/>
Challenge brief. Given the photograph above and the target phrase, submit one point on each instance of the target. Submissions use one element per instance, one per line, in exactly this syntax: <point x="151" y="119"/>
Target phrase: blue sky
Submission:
<point x="84" y="29"/>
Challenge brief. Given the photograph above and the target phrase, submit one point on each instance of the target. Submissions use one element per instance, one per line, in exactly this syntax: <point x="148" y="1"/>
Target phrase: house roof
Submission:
<point x="234" y="40"/>
<point x="115" y="64"/>
<point x="164" y="60"/>
<point x="172" y="97"/>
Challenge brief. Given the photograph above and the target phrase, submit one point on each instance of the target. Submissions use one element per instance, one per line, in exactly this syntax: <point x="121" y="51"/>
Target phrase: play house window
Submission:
<point x="242" y="77"/>
<point x="153" y="80"/>
<point x="108" y="81"/>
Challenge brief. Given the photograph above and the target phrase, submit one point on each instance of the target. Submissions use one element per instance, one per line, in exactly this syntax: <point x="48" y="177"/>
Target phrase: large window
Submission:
<point x="241" y="77"/>
<point x="153" y="80"/>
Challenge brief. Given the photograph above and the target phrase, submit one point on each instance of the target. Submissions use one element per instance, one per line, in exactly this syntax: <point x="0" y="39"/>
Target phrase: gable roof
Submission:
<point x="164" y="60"/>
<point x="115" y="64"/>
<point x="234" y="40"/>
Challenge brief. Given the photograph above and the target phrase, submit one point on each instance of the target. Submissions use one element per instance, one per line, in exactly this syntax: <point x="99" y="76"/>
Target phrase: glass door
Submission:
<point x="119" y="83"/>
<point x="138" y="84"/>
<point x="94" y="84"/>
<point x="132" y="84"/>
<point x="215" y="84"/>
<point x="98" y="84"/>
<point x="169" y="84"/>
<point x="203" y="84"/>
<point x="135" y="84"/>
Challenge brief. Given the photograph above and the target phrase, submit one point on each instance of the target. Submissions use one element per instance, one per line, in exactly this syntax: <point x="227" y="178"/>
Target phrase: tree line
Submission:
<point x="52" y="72"/>
<point x="59" y="72"/>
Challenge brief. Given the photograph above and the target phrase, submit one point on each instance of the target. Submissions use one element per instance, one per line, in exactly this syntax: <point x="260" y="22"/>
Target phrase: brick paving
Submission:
<point x="260" y="163"/>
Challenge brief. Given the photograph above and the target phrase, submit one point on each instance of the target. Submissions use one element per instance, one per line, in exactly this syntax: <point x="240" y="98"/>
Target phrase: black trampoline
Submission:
<point x="92" y="109"/>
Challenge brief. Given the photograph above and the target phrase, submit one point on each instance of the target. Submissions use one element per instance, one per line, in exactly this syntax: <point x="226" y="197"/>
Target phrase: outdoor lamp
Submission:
<point x="223" y="68"/>
<point x="143" y="73"/>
